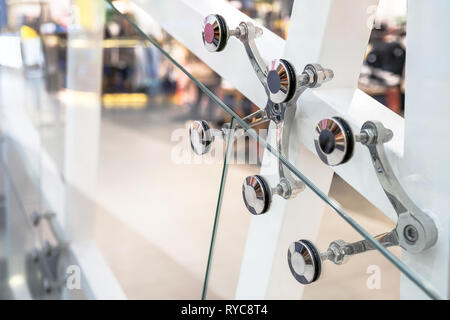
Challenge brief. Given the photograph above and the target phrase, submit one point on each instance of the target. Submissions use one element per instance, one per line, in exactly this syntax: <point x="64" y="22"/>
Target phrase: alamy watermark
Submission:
<point x="243" y="148"/>
<point x="73" y="277"/>
<point x="373" y="282"/>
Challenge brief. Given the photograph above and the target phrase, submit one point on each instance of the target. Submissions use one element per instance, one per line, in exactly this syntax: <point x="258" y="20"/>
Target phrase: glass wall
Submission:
<point x="99" y="175"/>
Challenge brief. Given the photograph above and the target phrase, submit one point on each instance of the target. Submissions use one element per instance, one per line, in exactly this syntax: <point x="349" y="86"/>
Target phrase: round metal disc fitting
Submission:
<point x="200" y="136"/>
<point x="304" y="261"/>
<point x="257" y="195"/>
<point x="215" y="33"/>
<point x="334" y="141"/>
<point x="281" y="81"/>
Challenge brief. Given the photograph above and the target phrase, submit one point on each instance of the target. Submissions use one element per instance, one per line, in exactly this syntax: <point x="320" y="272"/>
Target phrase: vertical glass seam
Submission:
<point x="229" y="148"/>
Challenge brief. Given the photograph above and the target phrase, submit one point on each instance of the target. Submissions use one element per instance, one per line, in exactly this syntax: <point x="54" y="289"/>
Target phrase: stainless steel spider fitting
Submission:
<point x="305" y="260"/>
<point x="415" y="230"/>
<point x="283" y="86"/>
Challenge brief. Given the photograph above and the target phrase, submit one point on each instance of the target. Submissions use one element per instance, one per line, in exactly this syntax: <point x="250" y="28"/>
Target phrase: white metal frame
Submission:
<point x="335" y="33"/>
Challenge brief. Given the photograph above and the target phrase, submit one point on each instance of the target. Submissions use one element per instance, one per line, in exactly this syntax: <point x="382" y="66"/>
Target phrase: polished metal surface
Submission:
<point x="257" y="194"/>
<point x="281" y="81"/>
<point x="46" y="270"/>
<point x="256" y="118"/>
<point x="334" y="141"/>
<point x="304" y="261"/>
<point x="283" y="87"/>
<point x="201" y="136"/>
<point x="46" y="267"/>
<point x="339" y="251"/>
<point x="317" y="75"/>
<point x="215" y="33"/>
<point x="247" y="33"/>
<point x="415" y="229"/>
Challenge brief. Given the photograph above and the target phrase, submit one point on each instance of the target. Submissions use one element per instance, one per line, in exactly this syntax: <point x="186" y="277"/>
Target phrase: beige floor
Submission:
<point x="154" y="223"/>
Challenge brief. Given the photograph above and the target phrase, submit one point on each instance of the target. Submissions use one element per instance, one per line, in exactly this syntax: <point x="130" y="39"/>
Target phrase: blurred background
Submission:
<point x="153" y="217"/>
<point x="135" y="73"/>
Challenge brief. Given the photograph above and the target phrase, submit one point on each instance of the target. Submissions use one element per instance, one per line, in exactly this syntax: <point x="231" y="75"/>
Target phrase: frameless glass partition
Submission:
<point x="156" y="198"/>
<point x="35" y="82"/>
<point x="356" y="279"/>
<point x="127" y="156"/>
<point x="361" y="239"/>
<point x="95" y="144"/>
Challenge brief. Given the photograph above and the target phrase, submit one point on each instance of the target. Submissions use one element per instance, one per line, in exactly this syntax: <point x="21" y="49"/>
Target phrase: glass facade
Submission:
<point x="127" y="153"/>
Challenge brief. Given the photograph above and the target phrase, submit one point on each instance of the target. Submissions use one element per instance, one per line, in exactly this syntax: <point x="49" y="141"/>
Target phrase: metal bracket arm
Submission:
<point x="415" y="229"/>
<point x="339" y="250"/>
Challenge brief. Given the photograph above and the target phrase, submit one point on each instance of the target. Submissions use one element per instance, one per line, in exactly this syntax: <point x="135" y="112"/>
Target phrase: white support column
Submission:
<point x="425" y="171"/>
<point x="322" y="32"/>
<point x="84" y="78"/>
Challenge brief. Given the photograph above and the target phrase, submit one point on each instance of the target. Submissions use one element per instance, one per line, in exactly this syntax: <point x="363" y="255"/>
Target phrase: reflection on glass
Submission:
<point x="364" y="276"/>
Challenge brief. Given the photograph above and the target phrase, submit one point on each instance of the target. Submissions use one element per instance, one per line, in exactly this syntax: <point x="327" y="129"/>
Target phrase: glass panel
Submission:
<point x="32" y="89"/>
<point x="124" y="164"/>
<point x="142" y="141"/>
<point x="365" y="276"/>
<point x="20" y="100"/>
<point x="17" y="235"/>
<point x="212" y="247"/>
<point x="231" y="234"/>
<point x="26" y="242"/>
<point x="156" y="199"/>
<point x="410" y="274"/>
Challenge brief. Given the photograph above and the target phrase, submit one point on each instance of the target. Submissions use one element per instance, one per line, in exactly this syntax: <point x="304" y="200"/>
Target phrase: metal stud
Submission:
<point x="304" y="261"/>
<point x="200" y="136"/>
<point x="215" y="33"/>
<point x="334" y="141"/>
<point x="257" y="194"/>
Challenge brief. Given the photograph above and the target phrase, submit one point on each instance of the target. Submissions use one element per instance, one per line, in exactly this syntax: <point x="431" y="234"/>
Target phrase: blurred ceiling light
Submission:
<point x="48" y="28"/>
<point x="16" y="280"/>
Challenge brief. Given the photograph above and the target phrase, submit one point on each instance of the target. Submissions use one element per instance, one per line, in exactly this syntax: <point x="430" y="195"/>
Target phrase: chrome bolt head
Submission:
<point x="336" y="252"/>
<point x="200" y="136"/>
<point x="411" y="234"/>
<point x="334" y="141"/>
<point x="281" y="81"/>
<point x="257" y="194"/>
<point x="215" y="33"/>
<point x="317" y="75"/>
<point x="304" y="261"/>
